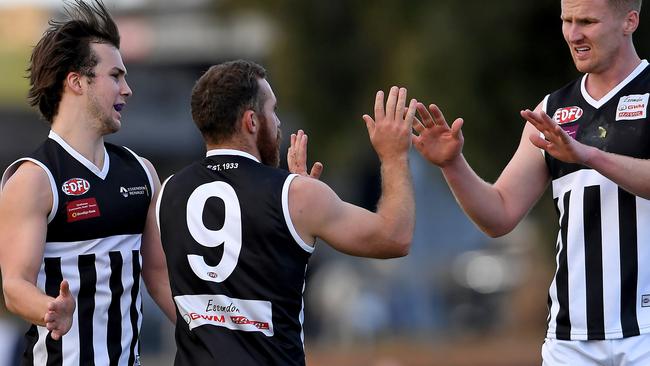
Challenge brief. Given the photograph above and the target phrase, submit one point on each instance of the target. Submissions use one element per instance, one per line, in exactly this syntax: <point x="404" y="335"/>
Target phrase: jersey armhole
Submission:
<point x="159" y="200"/>
<point x="146" y="170"/>
<point x="544" y="109"/>
<point x="287" y="216"/>
<point x="55" y="196"/>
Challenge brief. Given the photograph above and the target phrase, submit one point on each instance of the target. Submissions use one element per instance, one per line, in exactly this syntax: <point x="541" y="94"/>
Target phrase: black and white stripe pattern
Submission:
<point x="107" y="289"/>
<point x="596" y="292"/>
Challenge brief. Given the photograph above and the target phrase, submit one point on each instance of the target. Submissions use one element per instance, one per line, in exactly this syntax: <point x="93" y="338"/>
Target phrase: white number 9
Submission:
<point x="230" y="235"/>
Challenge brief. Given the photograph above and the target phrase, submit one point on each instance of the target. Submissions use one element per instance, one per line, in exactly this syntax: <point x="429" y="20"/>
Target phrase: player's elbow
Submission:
<point x="496" y="231"/>
<point x="397" y="247"/>
<point x="12" y="303"/>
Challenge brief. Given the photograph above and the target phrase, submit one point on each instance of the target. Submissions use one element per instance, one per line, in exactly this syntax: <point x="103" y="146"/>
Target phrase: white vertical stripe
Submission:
<point x="39" y="350"/>
<point x="576" y="262"/>
<point x="643" y="247"/>
<point x="552" y="292"/>
<point x="611" y="258"/>
<point x="70" y="344"/>
<point x="138" y="304"/>
<point x="125" y="305"/>
<point x="102" y="301"/>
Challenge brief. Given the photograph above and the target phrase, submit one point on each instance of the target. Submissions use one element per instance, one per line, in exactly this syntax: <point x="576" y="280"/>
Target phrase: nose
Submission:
<point x="126" y="90"/>
<point x="572" y="32"/>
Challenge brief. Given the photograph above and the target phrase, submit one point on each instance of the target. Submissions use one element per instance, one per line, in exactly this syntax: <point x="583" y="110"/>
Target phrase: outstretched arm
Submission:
<point x="154" y="264"/>
<point x="25" y="203"/>
<point x="495" y="208"/>
<point x="630" y="173"/>
<point x="318" y="212"/>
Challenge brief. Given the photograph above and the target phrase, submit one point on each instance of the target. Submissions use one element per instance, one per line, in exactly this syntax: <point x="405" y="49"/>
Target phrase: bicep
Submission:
<point x="25" y="203"/>
<point x="318" y="212"/>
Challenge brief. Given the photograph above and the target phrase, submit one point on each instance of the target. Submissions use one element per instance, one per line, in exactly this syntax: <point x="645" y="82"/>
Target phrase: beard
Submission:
<point x="267" y="145"/>
<point x="105" y="123"/>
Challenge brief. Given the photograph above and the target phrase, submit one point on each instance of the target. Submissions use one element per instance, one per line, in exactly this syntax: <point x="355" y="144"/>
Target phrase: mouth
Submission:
<point x="118" y="107"/>
<point x="581" y="50"/>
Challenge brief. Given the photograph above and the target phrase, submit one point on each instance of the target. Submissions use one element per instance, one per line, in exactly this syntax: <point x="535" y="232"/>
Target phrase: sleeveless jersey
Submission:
<point x="236" y="264"/>
<point x="601" y="287"/>
<point x="93" y="240"/>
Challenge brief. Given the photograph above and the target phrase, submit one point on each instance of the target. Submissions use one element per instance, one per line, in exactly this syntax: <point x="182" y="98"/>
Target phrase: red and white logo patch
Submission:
<point x="632" y="107"/>
<point x="82" y="209"/>
<point x="75" y="187"/>
<point x="567" y="115"/>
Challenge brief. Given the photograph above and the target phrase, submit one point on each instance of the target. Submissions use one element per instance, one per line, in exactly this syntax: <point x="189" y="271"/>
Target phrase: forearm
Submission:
<point x="481" y="201"/>
<point x="629" y="173"/>
<point x="396" y="206"/>
<point x="26" y="300"/>
<point x="160" y="291"/>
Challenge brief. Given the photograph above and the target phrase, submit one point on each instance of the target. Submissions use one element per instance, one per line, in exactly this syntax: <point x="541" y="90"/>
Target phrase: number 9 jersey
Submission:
<point x="235" y="261"/>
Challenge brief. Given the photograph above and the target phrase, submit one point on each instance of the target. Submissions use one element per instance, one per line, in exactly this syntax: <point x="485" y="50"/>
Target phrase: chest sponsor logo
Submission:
<point x="226" y="312"/>
<point x="134" y="191"/>
<point x="75" y="187"/>
<point x="567" y="115"/>
<point x="645" y="301"/>
<point x="633" y="106"/>
<point x="83" y="209"/>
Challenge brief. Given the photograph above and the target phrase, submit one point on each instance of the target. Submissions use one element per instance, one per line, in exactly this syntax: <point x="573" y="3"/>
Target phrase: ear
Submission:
<point x="73" y="82"/>
<point x="631" y="22"/>
<point x="249" y="121"/>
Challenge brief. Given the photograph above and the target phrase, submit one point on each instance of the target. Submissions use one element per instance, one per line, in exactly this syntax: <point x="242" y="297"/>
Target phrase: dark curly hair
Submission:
<point x="64" y="48"/>
<point x="222" y="95"/>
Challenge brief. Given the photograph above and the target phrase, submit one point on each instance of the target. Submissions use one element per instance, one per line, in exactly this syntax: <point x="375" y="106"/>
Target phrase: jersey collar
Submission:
<point x="214" y="152"/>
<point x="598" y="103"/>
<point x="80" y="158"/>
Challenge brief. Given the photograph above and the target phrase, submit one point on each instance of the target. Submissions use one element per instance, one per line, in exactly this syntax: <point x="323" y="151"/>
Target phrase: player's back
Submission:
<point x="235" y="262"/>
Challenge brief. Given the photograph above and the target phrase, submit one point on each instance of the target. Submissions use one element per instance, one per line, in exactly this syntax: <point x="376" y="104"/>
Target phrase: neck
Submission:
<point x="598" y="84"/>
<point x="85" y="141"/>
<point x="235" y="144"/>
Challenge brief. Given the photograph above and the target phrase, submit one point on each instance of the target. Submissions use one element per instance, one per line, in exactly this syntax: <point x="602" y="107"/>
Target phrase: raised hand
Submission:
<point x="297" y="157"/>
<point x="435" y="140"/>
<point x="58" y="319"/>
<point x="556" y="141"/>
<point x="390" y="130"/>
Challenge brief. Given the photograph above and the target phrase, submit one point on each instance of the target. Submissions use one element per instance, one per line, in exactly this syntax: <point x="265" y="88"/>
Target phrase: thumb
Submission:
<point x="316" y="170"/>
<point x="456" y="127"/>
<point x="370" y="123"/>
<point x="64" y="289"/>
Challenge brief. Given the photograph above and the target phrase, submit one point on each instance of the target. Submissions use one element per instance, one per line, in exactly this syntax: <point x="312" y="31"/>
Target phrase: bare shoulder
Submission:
<point x="307" y="190"/>
<point x="30" y="185"/>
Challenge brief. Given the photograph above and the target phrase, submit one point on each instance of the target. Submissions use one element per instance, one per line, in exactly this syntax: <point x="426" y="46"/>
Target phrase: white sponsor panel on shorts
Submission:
<point x="223" y="311"/>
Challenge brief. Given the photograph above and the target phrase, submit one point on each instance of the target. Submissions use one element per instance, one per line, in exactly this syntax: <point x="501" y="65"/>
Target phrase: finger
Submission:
<point x="391" y="102"/>
<point x="293" y="140"/>
<point x="64" y="289"/>
<point x="380" y="112"/>
<point x="417" y="125"/>
<point x="538" y="141"/>
<point x="456" y="127"/>
<point x="425" y="116"/>
<point x="55" y="335"/>
<point x="316" y="170"/>
<point x="401" y="103"/>
<point x="438" y="117"/>
<point x="370" y="124"/>
<point x="410" y="112"/>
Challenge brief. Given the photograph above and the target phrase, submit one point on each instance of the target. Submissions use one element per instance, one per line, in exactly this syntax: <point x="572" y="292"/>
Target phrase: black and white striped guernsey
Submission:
<point x="601" y="287"/>
<point x="93" y="240"/>
<point x="236" y="264"/>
